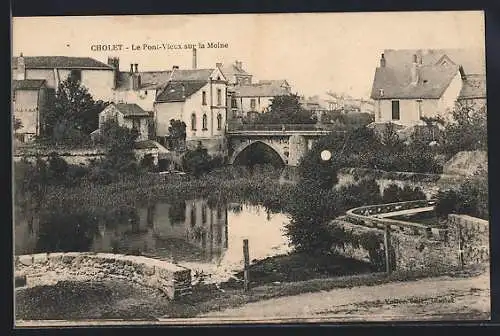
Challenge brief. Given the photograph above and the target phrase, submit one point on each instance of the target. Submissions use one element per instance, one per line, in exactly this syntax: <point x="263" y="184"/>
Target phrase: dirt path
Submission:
<point x="427" y="299"/>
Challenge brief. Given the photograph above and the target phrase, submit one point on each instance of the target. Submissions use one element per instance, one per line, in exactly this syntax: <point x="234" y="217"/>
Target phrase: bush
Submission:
<point x="366" y="191"/>
<point x="393" y="193"/>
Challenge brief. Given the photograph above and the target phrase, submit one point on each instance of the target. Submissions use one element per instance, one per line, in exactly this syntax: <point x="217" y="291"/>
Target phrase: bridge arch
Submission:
<point x="278" y="150"/>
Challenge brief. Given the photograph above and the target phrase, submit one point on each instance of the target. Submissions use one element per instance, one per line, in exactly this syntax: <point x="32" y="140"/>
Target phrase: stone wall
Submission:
<point x="49" y="268"/>
<point x="416" y="252"/>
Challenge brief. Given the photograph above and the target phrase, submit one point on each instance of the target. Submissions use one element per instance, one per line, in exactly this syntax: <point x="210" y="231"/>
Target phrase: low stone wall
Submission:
<point x="430" y="184"/>
<point x="49" y="268"/>
<point x="466" y="242"/>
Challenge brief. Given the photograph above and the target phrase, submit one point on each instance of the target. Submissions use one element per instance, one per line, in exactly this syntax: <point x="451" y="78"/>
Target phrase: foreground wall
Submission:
<point x="466" y="242"/>
<point x="48" y="268"/>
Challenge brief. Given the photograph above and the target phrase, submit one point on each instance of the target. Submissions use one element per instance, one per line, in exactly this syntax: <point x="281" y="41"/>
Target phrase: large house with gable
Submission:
<point x="412" y="84"/>
<point x="197" y="97"/>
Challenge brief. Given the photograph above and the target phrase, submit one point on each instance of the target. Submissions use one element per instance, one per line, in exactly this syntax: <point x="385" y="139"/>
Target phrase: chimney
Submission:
<point x="414" y="70"/>
<point x="136" y="66"/>
<point x="194" y="58"/>
<point x="136" y="81"/>
<point x="21" y="68"/>
<point x="239" y="65"/>
<point x="382" y="61"/>
<point x="115" y="63"/>
<point x="131" y="67"/>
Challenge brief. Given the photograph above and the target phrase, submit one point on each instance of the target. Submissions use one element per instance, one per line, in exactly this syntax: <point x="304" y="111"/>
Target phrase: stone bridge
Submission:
<point x="290" y="142"/>
<point x="49" y="268"/>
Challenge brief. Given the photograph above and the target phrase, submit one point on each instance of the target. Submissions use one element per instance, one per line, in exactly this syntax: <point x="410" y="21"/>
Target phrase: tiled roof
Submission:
<point x="63" y="62"/>
<point x="434" y="77"/>
<point x="176" y="91"/>
<point x="260" y="90"/>
<point x="131" y="110"/>
<point x="27" y="84"/>
<point x="473" y="87"/>
<point x="275" y="82"/>
<point x="192" y="75"/>
<point x="471" y="60"/>
<point x="149" y="79"/>
<point x="232" y="69"/>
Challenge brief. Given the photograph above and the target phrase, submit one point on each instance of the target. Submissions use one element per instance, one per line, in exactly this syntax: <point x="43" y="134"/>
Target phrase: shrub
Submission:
<point x="393" y="193"/>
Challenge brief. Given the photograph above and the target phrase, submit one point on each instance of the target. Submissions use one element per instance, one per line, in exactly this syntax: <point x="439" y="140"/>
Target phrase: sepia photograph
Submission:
<point x="250" y="168"/>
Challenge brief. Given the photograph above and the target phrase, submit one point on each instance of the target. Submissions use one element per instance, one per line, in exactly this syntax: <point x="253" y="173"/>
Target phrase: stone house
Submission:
<point x="131" y="116"/>
<point x="411" y="84"/>
<point x="96" y="76"/>
<point x="28" y="103"/>
<point x="256" y="98"/>
<point x="199" y="98"/>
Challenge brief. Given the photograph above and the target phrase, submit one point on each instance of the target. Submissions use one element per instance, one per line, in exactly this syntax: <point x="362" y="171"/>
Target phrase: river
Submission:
<point x="207" y="238"/>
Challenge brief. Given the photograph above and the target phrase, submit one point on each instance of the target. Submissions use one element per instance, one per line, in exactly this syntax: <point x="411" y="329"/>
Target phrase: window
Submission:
<point x="193" y="215"/>
<point x="219" y="97"/>
<point x="395" y="110"/>
<point x="14" y="95"/>
<point x="252" y="103"/>
<point x="136" y="124"/>
<point x="193" y="122"/>
<point x="146" y="92"/>
<point x="203" y="98"/>
<point x="234" y="103"/>
<point x="204" y="214"/>
<point x="76" y="75"/>
<point x="419" y="105"/>
<point x="219" y="122"/>
<point x="204" y="122"/>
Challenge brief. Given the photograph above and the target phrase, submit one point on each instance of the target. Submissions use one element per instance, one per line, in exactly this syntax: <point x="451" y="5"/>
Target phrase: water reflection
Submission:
<point x="205" y="236"/>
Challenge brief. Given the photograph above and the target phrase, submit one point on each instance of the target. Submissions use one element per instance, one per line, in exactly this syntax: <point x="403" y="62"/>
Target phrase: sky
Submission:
<point x="316" y="52"/>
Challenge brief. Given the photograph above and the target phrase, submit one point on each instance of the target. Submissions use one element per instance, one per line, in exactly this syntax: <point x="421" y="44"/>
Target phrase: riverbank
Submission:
<point x="113" y="299"/>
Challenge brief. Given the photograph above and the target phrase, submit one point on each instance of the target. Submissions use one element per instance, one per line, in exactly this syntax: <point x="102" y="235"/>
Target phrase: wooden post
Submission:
<point x="386" y="250"/>
<point x="460" y="247"/>
<point x="246" y="271"/>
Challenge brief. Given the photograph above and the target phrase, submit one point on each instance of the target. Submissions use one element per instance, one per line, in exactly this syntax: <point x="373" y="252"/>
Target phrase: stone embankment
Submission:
<point x="49" y="268"/>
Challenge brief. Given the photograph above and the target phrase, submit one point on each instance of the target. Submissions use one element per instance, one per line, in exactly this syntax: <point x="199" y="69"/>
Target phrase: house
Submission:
<point x="411" y="84"/>
<point x="28" y="102"/>
<point x="135" y="87"/>
<point x="197" y="97"/>
<point x="96" y="76"/>
<point x="256" y="98"/>
<point x="131" y="116"/>
<point x="235" y="74"/>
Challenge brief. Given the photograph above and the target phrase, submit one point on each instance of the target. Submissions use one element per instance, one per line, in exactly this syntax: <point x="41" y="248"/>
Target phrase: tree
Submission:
<point x="467" y="131"/>
<point x="17" y="124"/>
<point x="71" y="112"/>
<point x="286" y="110"/>
<point x="177" y="132"/>
<point x="197" y="161"/>
<point x="120" y="144"/>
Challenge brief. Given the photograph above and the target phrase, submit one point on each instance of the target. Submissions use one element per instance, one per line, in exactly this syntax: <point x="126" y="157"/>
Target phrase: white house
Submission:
<point x="127" y="115"/>
<point x="197" y="97"/>
<point x="257" y="97"/>
<point x="411" y="84"/>
<point x="96" y="76"/>
<point x="28" y="103"/>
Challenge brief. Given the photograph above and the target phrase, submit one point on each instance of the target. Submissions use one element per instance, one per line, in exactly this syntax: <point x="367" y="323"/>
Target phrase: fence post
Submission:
<point x="386" y="249"/>
<point x="246" y="271"/>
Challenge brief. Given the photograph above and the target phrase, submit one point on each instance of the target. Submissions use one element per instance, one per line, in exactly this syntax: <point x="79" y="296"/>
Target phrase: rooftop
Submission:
<point x="131" y="110"/>
<point x="473" y="87"/>
<point x="27" y="84"/>
<point x="435" y="68"/>
<point x="266" y="89"/>
<point x="178" y="91"/>
<point x="62" y="62"/>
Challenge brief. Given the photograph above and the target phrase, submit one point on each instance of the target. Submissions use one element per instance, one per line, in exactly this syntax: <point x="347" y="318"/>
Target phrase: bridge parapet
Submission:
<point x="49" y="268"/>
<point x="367" y="216"/>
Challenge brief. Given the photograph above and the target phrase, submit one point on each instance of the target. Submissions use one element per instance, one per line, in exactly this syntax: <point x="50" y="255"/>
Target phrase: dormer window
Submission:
<point x="381" y="92"/>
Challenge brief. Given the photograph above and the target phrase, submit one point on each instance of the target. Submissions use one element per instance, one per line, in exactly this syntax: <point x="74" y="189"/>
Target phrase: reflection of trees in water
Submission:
<point x="177" y="212"/>
<point x="67" y="230"/>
